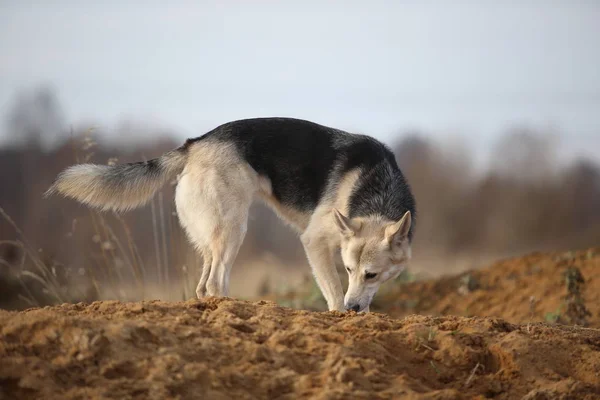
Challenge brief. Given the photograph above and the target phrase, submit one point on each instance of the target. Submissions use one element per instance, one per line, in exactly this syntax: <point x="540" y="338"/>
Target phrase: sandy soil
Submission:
<point x="223" y="349"/>
<point x="520" y="290"/>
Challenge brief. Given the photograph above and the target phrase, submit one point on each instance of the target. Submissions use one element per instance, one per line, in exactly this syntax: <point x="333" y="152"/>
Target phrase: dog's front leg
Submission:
<point x="322" y="263"/>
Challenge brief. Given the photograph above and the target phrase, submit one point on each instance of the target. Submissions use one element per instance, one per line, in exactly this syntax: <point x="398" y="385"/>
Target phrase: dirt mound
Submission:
<point x="537" y="287"/>
<point x="222" y="349"/>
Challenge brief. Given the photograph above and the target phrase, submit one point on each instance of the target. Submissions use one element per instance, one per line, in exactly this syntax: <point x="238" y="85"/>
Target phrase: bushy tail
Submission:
<point x="119" y="187"/>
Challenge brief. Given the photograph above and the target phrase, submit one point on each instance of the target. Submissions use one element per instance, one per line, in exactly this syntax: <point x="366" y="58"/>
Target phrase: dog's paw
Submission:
<point x="200" y="292"/>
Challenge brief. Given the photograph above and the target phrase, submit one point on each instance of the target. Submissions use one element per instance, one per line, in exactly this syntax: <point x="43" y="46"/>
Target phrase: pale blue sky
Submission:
<point x="470" y="68"/>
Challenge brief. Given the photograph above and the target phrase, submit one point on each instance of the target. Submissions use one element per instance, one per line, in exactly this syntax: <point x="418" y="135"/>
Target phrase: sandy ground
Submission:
<point x="520" y="290"/>
<point x="480" y="334"/>
<point x="223" y="349"/>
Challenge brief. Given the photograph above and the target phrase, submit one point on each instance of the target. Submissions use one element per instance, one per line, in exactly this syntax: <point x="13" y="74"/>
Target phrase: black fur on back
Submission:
<point x="301" y="158"/>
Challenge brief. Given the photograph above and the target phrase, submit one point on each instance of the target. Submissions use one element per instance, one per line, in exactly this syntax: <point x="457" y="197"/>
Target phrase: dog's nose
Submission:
<point x="353" y="307"/>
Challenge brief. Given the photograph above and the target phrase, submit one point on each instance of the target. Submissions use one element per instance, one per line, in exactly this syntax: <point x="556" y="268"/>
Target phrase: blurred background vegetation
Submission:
<point x="55" y="250"/>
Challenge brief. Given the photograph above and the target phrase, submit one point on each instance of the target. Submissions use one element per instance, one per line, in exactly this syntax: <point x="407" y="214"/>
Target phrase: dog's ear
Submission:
<point x="346" y="226"/>
<point x="398" y="231"/>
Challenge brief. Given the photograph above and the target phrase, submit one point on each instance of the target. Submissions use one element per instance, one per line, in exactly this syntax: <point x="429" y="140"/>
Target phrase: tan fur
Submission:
<point x="297" y="219"/>
<point x="213" y="198"/>
<point x="321" y="240"/>
<point x="370" y="251"/>
<point x="98" y="185"/>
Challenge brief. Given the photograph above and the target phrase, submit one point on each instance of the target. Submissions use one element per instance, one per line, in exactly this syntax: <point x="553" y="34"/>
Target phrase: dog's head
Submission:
<point x="374" y="250"/>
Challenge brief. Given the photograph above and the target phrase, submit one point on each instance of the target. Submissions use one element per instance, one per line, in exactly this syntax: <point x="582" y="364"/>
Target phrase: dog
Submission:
<point x="343" y="193"/>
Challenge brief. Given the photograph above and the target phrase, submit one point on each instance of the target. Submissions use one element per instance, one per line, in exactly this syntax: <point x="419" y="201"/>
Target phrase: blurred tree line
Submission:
<point x="525" y="201"/>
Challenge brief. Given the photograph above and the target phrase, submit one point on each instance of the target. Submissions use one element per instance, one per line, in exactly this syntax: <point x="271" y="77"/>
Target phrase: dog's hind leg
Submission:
<point x="213" y="199"/>
<point x="206" y="266"/>
<point x="225" y="247"/>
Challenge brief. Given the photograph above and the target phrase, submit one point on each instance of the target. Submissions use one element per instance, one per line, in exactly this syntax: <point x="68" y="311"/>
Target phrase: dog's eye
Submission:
<point x="348" y="269"/>
<point x="370" y="275"/>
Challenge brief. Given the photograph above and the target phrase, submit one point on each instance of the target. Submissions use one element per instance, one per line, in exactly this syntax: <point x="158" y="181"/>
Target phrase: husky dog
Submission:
<point x="342" y="192"/>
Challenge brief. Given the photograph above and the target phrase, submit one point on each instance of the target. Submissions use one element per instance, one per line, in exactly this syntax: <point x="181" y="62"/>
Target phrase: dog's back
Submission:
<point x="304" y="162"/>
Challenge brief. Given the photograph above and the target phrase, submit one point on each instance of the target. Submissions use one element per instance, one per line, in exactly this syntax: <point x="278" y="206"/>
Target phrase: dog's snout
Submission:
<point x="353" y="307"/>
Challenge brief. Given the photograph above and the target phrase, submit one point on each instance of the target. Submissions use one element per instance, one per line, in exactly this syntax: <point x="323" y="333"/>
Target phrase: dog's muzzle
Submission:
<point x="352" y="307"/>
